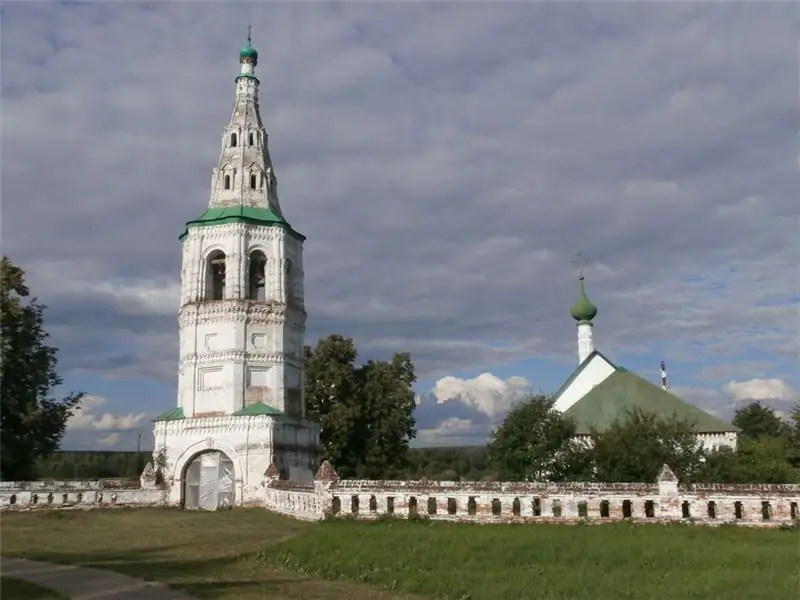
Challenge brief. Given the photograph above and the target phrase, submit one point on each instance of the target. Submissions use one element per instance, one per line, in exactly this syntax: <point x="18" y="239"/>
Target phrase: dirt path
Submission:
<point x="78" y="583"/>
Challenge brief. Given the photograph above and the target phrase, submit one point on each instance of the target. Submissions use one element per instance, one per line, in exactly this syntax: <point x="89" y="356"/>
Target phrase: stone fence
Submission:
<point x="522" y="502"/>
<point x="465" y="501"/>
<point x="47" y="493"/>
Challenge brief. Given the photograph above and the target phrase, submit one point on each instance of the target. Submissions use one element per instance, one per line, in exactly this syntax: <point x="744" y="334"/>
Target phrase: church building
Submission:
<point x="599" y="392"/>
<point x="240" y="405"/>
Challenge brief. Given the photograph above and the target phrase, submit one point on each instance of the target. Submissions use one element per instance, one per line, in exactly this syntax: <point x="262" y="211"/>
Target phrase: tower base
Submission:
<point x="220" y="461"/>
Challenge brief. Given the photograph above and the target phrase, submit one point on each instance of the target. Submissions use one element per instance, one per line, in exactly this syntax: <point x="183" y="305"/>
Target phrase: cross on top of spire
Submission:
<point x="248" y="33"/>
<point x="580" y="261"/>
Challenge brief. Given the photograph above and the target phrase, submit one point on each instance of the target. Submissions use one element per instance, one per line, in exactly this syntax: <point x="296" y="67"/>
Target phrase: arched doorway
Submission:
<point x="208" y="481"/>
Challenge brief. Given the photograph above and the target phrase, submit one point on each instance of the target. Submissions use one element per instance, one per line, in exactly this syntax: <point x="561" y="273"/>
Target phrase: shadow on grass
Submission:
<point x="215" y="577"/>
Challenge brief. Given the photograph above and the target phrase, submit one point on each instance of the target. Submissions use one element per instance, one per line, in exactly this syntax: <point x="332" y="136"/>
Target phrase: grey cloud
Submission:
<point x="444" y="181"/>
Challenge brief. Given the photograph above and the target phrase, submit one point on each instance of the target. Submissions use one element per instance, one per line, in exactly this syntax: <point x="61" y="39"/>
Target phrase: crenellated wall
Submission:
<point x="763" y="505"/>
<point x="48" y="494"/>
<point x="509" y="502"/>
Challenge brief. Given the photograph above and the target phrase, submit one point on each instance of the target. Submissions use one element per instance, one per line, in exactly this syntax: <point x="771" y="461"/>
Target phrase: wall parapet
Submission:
<point x="509" y="502"/>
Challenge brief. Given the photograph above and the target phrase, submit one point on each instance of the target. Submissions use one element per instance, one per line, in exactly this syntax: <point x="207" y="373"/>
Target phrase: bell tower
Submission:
<point x="242" y="315"/>
<point x="241" y="325"/>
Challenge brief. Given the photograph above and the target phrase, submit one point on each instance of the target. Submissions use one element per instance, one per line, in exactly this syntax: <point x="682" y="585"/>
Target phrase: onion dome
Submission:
<point x="583" y="310"/>
<point x="248" y="53"/>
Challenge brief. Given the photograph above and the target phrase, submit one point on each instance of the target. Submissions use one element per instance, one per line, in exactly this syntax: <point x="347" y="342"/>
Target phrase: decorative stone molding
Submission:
<point x="234" y="356"/>
<point x="666" y="474"/>
<point x="326" y="473"/>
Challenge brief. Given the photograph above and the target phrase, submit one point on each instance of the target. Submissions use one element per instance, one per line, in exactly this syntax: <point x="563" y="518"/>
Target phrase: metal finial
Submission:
<point x="579" y="261"/>
<point x="248" y="33"/>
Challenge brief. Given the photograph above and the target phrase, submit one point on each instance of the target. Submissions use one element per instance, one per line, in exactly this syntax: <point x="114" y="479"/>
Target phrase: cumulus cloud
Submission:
<point x="90" y="416"/>
<point x="486" y="392"/>
<point x="444" y="159"/>
<point x="761" y="389"/>
<point x="459" y="412"/>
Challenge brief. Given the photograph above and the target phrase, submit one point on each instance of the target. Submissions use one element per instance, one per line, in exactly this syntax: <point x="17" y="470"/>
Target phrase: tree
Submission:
<point x="365" y="413"/>
<point x="534" y="443"/>
<point x="793" y="437"/>
<point x="634" y="448"/>
<point x="757" y="421"/>
<point x="761" y="460"/>
<point x="32" y="421"/>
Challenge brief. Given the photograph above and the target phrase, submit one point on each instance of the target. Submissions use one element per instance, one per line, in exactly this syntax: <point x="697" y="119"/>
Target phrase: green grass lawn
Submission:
<point x="251" y="554"/>
<point x="16" y="589"/>
<point x="537" y="562"/>
<point x="210" y="554"/>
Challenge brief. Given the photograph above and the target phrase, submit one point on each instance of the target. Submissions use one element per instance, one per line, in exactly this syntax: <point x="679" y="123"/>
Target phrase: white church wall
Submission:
<point x="594" y="373"/>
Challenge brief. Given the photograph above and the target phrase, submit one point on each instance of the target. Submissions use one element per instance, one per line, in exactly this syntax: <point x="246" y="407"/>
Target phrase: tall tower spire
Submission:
<point x="583" y="311"/>
<point x="244" y="175"/>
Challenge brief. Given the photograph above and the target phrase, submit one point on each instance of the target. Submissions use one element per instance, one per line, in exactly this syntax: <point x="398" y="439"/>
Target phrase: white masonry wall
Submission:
<point x="235" y="351"/>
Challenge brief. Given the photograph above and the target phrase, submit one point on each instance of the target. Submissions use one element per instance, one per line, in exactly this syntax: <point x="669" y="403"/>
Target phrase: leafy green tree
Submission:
<point x="758" y="421"/>
<point x="793" y="437"/>
<point x="535" y="442"/>
<point x="32" y="421"/>
<point x="761" y="460"/>
<point x="365" y="412"/>
<point x="634" y="448"/>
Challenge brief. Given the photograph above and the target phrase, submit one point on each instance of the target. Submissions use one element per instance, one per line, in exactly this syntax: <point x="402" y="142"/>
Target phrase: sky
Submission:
<point x="447" y="161"/>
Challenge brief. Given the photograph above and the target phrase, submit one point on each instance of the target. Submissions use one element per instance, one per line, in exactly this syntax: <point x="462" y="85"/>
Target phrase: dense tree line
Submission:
<point x="92" y="465"/>
<point x="536" y="442"/>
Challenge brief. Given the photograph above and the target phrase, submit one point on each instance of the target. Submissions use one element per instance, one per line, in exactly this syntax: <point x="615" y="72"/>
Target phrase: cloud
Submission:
<point x="446" y="162"/>
<point x="486" y="392"/>
<point x="465" y="411"/>
<point x="109" y="441"/>
<point x="88" y="417"/>
<point x="761" y="389"/>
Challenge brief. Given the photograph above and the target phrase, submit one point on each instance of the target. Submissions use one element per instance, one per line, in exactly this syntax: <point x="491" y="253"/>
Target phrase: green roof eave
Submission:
<point x="241" y="214"/>
<point x="257" y="408"/>
<point x="623" y="391"/>
<point x="171" y="415"/>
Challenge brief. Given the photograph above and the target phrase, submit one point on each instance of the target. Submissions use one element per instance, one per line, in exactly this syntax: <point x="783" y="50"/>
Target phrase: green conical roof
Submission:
<point x="583" y="310"/>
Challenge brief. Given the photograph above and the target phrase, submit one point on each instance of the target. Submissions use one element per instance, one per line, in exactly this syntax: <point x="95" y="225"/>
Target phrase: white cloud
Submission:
<point x="87" y="417"/>
<point x="761" y="389"/>
<point x="486" y="392"/>
<point x="452" y="431"/>
<point x="112" y="439"/>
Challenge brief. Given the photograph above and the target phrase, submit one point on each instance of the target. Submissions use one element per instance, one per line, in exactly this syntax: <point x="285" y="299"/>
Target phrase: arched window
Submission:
<point x="257" y="276"/>
<point x="288" y="275"/>
<point x="250" y="138"/>
<point x="233" y="140"/>
<point x="215" y="276"/>
<point x="253" y="181"/>
<point x="227" y="182"/>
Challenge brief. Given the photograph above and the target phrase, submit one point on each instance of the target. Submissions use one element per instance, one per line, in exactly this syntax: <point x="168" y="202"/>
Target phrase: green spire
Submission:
<point x="248" y="53"/>
<point x="583" y="311"/>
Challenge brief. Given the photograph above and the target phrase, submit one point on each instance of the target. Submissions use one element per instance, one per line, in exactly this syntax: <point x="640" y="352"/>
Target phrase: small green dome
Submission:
<point x="248" y="53"/>
<point x="583" y="309"/>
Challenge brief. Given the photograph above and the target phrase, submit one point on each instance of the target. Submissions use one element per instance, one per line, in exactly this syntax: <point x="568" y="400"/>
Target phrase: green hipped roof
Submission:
<point x="257" y="408"/>
<point x="623" y="391"/>
<point x="241" y="214"/>
<point x="171" y="415"/>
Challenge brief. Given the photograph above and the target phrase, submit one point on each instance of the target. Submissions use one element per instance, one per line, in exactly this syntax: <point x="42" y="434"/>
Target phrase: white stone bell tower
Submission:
<point x="241" y="320"/>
